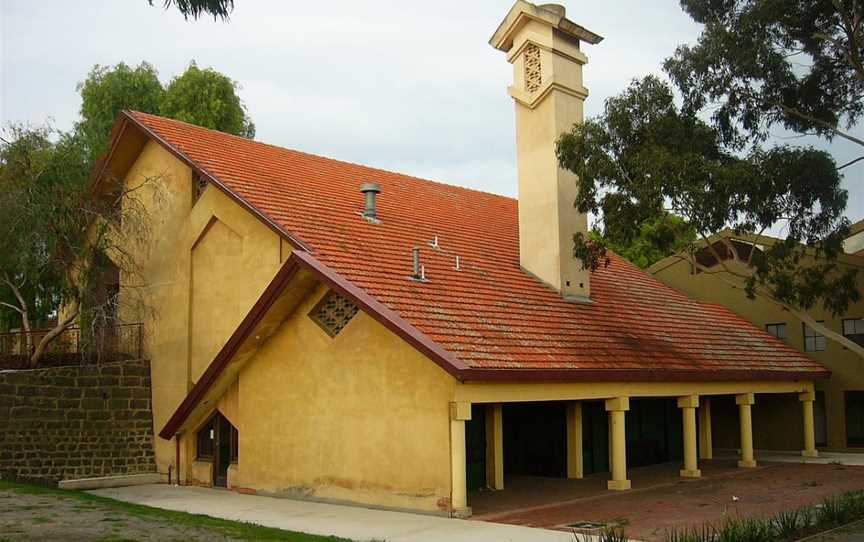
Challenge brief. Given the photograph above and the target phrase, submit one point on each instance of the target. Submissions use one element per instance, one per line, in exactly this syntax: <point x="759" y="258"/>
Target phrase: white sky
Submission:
<point x="398" y="84"/>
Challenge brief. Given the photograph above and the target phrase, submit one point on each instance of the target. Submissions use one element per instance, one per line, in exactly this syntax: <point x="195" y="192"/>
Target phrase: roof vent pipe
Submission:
<point x="418" y="271"/>
<point x="370" y="190"/>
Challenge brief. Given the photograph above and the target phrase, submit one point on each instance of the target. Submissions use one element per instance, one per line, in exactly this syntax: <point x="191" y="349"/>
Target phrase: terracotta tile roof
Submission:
<point x="490" y="314"/>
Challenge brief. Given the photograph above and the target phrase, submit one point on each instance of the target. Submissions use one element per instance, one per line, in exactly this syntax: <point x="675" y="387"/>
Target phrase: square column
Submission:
<point x="745" y="402"/>
<point x="459" y="413"/>
<point x="807" y="399"/>
<point x="706" y="446"/>
<point x="617" y="408"/>
<point x="688" y="405"/>
<point x="494" y="447"/>
<point x="574" y="440"/>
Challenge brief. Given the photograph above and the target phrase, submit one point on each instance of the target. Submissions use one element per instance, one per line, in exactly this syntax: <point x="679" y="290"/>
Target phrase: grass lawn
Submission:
<point x="35" y="510"/>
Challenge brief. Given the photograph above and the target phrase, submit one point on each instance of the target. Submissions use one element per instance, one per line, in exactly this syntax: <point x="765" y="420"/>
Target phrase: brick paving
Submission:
<point x="661" y="500"/>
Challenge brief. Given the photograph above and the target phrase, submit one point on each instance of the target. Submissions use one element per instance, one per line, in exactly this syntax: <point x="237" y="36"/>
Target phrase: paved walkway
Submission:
<point x="350" y="522"/>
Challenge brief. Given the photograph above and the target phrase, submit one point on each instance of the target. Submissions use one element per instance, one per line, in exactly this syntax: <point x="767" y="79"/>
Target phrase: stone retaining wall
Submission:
<point x="65" y="423"/>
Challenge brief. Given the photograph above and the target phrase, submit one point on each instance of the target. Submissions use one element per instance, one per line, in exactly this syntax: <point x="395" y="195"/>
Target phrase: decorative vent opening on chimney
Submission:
<point x="333" y="313"/>
<point x="533" y="75"/>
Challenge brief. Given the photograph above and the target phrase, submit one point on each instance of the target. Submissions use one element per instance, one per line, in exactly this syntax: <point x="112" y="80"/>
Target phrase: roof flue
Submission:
<point x="371" y="190"/>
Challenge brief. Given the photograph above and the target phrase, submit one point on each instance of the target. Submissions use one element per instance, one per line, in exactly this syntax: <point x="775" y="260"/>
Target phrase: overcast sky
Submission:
<point x="404" y="85"/>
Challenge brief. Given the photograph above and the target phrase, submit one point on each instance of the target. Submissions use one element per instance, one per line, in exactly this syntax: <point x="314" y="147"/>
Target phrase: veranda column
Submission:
<point x="459" y="413"/>
<point x="706" y="446"/>
<point x="745" y="402"/>
<point x="688" y="405"/>
<point x="494" y="447"/>
<point x="574" y="440"/>
<point x="617" y="408"/>
<point x="807" y="399"/>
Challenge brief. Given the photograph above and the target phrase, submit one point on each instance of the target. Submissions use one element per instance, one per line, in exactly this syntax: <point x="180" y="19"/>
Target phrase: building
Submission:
<point x="332" y="331"/>
<point x="839" y="402"/>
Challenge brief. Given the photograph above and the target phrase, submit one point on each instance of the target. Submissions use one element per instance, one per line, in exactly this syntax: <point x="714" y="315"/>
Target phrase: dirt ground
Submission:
<point x="661" y="500"/>
<point x="49" y="518"/>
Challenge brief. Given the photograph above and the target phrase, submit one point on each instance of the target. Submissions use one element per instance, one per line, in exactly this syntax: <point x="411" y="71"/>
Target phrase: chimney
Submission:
<point x="370" y="190"/>
<point x="544" y="48"/>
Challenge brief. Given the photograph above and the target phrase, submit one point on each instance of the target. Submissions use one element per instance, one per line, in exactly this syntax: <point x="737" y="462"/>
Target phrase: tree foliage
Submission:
<point x="644" y="156"/>
<point x="57" y="236"/>
<point x="203" y="97"/>
<point x="207" y="98"/>
<point x="656" y="237"/>
<point x="219" y="9"/>
<point x="764" y="63"/>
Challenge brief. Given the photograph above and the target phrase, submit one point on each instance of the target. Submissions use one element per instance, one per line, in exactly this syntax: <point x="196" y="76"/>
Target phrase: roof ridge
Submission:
<point x="321" y="156"/>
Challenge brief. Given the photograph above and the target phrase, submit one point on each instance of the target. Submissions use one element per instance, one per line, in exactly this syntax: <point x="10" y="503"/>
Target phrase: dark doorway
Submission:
<point x="535" y="439"/>
<point x="218" y="442"/>
<point x="654" y="432"/>
<point x="595" y="437"/>
<point x="475" y="448"/>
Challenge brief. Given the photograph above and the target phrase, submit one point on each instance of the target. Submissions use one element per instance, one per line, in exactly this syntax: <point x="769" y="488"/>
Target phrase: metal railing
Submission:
<point x="76" y="345"/>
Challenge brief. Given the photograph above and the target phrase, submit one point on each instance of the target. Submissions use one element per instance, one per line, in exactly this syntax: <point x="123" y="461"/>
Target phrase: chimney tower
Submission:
<point x="544" y="48"/>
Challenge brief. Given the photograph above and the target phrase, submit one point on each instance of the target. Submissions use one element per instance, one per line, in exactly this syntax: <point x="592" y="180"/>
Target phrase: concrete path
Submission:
<point x="825" y="458"/>
<point x="354" y="523"/>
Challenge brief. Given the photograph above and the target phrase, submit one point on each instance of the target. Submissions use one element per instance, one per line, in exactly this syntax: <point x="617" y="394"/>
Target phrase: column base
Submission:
<point x="462" y="513"/>
<point x="809" y="453"/>
<point x="618" y="485"/>
<point x="747" y="464"/>
<point x="690" y="473"/>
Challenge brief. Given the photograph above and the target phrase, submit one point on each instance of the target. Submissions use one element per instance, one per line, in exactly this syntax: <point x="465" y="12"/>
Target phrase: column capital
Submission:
<point x="807" y="396"/>
<point x="688" y="401"/>
<point x="460" y="411"/>
<point x="745" y="399"/>
<point x="618" y="404"/>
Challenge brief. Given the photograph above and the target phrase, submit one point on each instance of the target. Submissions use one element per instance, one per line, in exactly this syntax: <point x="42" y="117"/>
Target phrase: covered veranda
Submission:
<point x="560" y="440"/>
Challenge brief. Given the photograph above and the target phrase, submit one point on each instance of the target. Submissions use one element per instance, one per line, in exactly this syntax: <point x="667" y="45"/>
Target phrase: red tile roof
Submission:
<point x="490" y="315"/>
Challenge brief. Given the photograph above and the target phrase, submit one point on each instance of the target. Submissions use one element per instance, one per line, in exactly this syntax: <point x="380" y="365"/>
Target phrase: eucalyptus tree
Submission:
<point x="645" y="156"/>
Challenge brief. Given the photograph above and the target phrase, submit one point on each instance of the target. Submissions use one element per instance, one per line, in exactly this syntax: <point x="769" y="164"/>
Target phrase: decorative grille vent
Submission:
<point x="333" y="313"/>
<point x="533" y="75"/>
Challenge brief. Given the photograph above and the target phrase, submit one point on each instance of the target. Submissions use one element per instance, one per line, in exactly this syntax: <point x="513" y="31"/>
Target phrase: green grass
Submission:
<point x="234" y="529"/>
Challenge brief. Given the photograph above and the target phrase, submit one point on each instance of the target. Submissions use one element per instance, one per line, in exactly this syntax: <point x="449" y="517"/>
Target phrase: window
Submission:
<point x="855" y="418"/>
<point x="333" y="313"/>
<point x="778" y="330"/>
<point x="206" y="438"/>
<point x="813" y="342"/>
<point x="199" y="184"/>
<point x="853" y="329"/>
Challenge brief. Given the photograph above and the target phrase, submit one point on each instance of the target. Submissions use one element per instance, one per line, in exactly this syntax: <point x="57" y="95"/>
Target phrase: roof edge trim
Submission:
<point x="639" y="375"/>
<point x="293" y="240"/>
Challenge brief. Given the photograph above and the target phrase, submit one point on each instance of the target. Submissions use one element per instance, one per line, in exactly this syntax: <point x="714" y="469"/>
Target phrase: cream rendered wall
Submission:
<point x="847" y="368"/>
<point x="233" y="255"/>
<point x="361" y="417"/>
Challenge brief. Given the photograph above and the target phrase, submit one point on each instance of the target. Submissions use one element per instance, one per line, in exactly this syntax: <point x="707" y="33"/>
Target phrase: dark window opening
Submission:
<point x="206" y="438"/>
<point x="854" y="419"/>
<point x="777" y="330"/>
<point x="535" y="439"/>
<point x="853" y="329"/>
<point x="813" y="341"/>
<point x="199" y="184"/>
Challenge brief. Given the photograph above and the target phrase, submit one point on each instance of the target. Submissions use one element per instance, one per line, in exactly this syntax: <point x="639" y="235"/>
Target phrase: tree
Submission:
<point x="204" y="97"/>
<point x="765" y="63"/>
<point x="644" y="155"/>
<point x="657" y="237"/>
<point x="58" y="236"/>
<point x="207" y="98"/>
<point x="109" y="90"/>
<point x="219" y="9"/>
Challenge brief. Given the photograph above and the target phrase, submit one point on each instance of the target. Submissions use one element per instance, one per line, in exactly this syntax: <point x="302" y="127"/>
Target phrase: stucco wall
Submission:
<point x="203" y="267"/>
<point x="361" y="417"/>
<point x="847" y="368"/>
